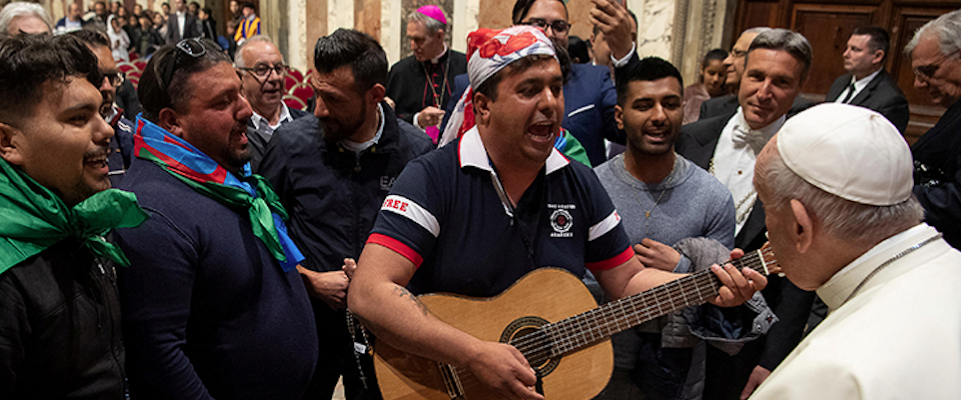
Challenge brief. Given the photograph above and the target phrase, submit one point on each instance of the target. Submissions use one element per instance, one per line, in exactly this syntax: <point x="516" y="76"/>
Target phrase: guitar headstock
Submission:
<point x="768" y="264"/>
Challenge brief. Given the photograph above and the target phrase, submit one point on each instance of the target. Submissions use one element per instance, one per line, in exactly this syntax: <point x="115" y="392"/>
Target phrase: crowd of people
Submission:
<point x="139" y="31"/>
<point x="196" y="238"/>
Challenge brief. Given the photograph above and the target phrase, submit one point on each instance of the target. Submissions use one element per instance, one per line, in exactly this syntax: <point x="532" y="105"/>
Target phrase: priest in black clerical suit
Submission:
<point x="420" y="85"/>
<point x="867" y="84"/>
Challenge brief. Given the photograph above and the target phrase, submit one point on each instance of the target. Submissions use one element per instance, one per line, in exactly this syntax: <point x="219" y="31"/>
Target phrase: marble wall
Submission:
<point x="678" y="30"/>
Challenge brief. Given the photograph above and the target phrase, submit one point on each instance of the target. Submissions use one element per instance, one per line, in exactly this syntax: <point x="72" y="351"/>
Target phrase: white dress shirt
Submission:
<point x="734" y="157"/>
<point x="859" y="85"/>
<point x="258" y="119"/>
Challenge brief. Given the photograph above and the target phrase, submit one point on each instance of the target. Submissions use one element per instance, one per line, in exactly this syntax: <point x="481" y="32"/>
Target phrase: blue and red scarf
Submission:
<point x="249" y="192"/>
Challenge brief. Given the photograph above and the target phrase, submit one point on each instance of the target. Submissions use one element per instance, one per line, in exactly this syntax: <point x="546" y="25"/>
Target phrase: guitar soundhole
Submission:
<point x="536" y="345"/>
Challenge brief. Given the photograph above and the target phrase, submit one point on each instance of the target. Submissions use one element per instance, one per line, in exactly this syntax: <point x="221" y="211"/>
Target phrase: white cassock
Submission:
<point x="899" y="337"/>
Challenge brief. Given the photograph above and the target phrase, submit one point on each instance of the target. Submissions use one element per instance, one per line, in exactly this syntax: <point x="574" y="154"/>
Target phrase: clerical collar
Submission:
<point x="284" y="117"/>
<point x="436" y="60"/>
<point x="358" y="147"/>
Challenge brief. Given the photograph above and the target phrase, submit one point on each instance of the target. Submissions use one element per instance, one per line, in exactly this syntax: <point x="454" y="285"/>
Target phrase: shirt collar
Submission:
<point x="836" y="290"/>
<point x="284" y="117"/>
<point x="472" y="153"/>
<point x="767" y="131"/>
<point x="861" y="83"/>
<point x="359" y="147"/>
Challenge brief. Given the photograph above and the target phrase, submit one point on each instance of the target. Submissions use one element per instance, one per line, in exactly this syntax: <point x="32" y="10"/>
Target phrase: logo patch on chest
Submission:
<point x="561" y="221"/>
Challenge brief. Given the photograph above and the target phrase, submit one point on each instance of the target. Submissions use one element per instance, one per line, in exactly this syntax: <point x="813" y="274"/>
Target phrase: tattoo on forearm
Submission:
<point x="403" y="292"/>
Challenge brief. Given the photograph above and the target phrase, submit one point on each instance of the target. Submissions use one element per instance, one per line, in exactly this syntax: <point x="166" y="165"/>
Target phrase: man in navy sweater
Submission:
<point x="213" y="306"/>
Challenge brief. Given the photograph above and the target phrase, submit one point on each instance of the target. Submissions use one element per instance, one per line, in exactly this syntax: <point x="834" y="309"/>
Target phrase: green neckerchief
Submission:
<point x="32" y="219"/>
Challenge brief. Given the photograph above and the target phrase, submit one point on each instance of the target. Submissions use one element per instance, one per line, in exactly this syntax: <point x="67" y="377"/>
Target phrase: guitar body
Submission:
<point x="543" y="296"/>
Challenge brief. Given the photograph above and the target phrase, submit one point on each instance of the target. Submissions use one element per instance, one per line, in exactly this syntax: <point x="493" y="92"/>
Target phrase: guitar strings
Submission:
<point x="617" y="309"/>
<point x="586" y="322"/>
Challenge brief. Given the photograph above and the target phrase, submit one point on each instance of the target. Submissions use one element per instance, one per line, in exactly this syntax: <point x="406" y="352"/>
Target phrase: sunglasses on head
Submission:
<point x="192" y="47"/>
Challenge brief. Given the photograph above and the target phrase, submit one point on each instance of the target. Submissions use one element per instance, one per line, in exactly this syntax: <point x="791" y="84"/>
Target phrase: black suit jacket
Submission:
<point x="257" y="142"/>
<point x="882" y="94"/>
<point x="697" y="142"/>
<point x="937" y="174"/>
<point x="728" y="105"/>
<point x="192" y="28"/>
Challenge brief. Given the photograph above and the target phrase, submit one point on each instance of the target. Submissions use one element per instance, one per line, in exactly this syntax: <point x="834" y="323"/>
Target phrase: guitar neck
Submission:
<point x="593" y="326"/>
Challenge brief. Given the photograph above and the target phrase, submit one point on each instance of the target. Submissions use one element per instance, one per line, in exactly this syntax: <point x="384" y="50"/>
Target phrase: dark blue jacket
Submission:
<point x="207" y="311"/>
<point x="332" y="194"/>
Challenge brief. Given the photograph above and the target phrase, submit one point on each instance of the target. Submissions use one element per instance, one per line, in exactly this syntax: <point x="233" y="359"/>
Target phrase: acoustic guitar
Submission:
<point x="551" y="317"/>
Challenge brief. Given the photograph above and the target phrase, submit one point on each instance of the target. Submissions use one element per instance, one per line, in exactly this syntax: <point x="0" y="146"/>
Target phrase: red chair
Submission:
<point x="134" y="56"/>
<point x="296" y="74"/>
<point x="289" y="82"/>
<point x="140" y="64"/>
<point x="134" y="75"/>
<point x="126" y="67"/>
<point x="134" y="81"/>
<point x="302" y="91"/>
<point x="294" y="102"/>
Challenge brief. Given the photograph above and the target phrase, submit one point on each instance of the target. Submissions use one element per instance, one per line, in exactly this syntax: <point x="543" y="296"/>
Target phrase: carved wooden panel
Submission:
<point x="828" y="28"/>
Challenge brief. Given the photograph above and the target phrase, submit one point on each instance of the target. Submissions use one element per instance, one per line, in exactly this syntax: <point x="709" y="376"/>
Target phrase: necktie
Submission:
<point x="850" y="93"/>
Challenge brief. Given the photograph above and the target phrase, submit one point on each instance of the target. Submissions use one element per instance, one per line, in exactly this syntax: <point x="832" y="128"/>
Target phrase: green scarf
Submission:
<point x="32" y="218"/>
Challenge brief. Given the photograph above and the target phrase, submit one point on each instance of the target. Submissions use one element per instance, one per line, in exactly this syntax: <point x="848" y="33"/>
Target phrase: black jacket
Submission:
<point x="257" y="141"/>
<point x="333" y="195"/>
<point x="60" y="333"/>
<point x="882" y="94"/>
<point x="192" y="28"/>
<point x="792" y="305"/>
<point x="937" y="174"/>
<point x="726" y="105"/>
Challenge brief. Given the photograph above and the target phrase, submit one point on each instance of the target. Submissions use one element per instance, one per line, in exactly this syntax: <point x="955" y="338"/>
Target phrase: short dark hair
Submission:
<point x="249" y="5"/>
<point x="155" y="95"/>
<point x="367" y="60"/>
<point x="880" y="40"/>
<point x="91" y="38"/>
<point x="577" y="48"/>
<point x="648" y="69"/>
<point x="29" y="61"/>
<point x="522" y="7"/>
<point x="713" y="55"/>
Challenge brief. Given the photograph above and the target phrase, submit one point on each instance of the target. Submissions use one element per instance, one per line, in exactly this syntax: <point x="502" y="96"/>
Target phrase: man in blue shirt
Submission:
<point x="475" y="216"/>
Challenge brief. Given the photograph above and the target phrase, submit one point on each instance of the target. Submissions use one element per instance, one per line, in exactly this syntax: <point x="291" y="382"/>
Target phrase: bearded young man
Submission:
<point x="214" y="306"/>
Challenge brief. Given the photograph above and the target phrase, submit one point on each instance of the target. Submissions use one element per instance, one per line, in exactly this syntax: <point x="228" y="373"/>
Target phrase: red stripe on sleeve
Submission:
<point x="397" y="246"/>
<point x="611" y="262"/>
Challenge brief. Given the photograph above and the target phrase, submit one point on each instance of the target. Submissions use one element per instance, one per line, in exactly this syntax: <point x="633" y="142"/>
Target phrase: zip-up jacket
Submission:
<point x="331" y="193"/>
<point x="60" y="331"/>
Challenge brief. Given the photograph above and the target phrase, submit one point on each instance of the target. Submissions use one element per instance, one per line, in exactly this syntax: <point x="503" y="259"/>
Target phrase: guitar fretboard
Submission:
<point x="593" y="326"/>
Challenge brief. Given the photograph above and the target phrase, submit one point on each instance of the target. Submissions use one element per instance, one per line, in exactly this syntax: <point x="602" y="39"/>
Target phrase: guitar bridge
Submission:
<point x="451" y="381"/>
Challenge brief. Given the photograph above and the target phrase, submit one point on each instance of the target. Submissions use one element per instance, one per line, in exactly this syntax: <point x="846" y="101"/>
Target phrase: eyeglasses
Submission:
<point x="559" y="26"/>
<point x="928" y="71"/>
<point x="115" y="78"/>
<point x="192" y="47"/>
<point x="263" y="70"/>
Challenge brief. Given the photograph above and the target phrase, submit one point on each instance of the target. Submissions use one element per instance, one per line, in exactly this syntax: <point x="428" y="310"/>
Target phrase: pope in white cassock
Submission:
<point x="836" y="185"/>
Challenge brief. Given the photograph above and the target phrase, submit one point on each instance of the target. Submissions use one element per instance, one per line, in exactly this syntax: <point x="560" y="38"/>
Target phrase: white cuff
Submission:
<point x="623" y="61"/>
